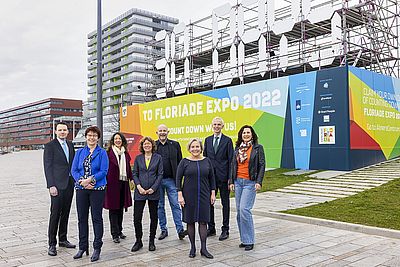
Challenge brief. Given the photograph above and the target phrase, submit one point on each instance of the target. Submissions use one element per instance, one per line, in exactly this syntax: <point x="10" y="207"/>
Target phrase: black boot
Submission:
<point x="80" y="252"/>
<point x="206" y="254"/>
<point x="152" y="246"/>
<point x="138" y="245"/>
<point x="95" y="255"/>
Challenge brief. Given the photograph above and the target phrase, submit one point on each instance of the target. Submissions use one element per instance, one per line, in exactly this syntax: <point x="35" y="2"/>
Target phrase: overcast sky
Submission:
<point x="43" y="47"/>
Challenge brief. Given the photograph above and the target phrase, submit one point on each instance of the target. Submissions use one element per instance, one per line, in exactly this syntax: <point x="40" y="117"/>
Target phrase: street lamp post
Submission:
<point x="99" y="74"/>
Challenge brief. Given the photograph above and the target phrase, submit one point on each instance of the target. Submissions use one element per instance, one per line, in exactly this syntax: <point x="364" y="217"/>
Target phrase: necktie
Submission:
<point x="64" y="147"/>
<point x="216" y="144"/>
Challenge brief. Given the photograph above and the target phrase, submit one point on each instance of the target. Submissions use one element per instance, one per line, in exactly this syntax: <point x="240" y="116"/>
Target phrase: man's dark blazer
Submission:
<point x="222" y="159"/>
<point x="56" y="167"/>
<point x="175" y="155"/>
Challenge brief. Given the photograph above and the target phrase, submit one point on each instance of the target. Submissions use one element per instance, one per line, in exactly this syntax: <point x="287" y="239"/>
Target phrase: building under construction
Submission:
<point x="256" y="40"/>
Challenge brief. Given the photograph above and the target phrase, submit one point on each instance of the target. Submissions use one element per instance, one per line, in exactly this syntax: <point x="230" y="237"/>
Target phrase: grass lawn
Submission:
<point x="374" y="207"/>
<point x="275" y="179"/>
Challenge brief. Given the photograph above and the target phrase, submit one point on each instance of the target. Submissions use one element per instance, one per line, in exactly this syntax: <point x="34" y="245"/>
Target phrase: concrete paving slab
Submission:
<point x="23" y="235"/>
<point x="327" y="174"/>
<point x="298" y="172"/>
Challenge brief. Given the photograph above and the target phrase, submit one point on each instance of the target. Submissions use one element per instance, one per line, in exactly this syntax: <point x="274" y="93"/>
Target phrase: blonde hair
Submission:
<point x="195" y="140"/>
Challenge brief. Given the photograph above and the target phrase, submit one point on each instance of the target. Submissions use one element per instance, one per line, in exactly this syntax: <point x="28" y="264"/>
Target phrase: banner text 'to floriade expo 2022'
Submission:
<point x="339" y="119"/>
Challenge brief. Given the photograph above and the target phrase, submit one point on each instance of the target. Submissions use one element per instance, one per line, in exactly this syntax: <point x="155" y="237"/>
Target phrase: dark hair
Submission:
<point x="61" y="123"/>
<point x="94" y="129"/>
<point x="240" y="139"/>
<point x="144" y="139"/>
<point x="111" y="142"/>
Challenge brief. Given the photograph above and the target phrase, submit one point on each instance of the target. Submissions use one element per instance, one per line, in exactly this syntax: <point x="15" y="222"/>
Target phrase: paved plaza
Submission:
<point x="24" y="215"/>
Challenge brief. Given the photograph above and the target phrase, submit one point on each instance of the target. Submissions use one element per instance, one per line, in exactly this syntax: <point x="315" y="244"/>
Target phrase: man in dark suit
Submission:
<point x="219" y="148"/>
<point x="171" y="154"/>
<point x="57" y="161"/>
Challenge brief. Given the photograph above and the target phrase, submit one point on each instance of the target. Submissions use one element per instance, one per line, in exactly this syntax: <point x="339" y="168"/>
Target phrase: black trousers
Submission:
<point x="138" y="208"/>
<point x="223" y="189"/>
<point x="59" y="214"/>
<point x="116" y="216"/>
<point x="92" y="199"/>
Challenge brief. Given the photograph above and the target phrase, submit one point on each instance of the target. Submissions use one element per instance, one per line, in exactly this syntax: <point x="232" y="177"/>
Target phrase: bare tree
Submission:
<point x="5" y="141"/>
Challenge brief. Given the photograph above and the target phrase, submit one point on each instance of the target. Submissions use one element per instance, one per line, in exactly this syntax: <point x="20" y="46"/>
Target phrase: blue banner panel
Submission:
<point x="287" y="160"/>
<point x="302" y="92"/>
<point x="330" y="126"/>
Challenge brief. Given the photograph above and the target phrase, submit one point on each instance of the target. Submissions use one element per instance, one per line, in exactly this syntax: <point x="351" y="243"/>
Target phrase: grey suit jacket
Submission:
<point x="148" y="177"/>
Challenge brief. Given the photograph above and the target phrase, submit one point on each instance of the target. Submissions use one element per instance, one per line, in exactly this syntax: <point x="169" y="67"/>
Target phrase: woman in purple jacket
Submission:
<point x="118" y="194"/>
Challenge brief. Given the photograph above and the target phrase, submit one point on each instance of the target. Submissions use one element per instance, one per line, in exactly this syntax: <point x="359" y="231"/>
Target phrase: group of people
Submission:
<point x="104" y="179"/>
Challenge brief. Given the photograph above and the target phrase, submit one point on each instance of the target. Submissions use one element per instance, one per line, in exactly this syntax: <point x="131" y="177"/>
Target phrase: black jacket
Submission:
<point x="56" y="167"/>
<point x="175" y="155"/>
<point x="222" y="159"/>
<point x="256" y="164"/>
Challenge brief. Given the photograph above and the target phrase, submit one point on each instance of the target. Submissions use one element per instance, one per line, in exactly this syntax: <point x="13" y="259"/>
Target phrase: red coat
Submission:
<point x="112" y="197"/>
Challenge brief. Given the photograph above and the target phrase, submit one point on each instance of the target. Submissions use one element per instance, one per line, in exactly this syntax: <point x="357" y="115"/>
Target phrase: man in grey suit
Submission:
<point x="219" y="148"/>
<point x="57" y="161"/>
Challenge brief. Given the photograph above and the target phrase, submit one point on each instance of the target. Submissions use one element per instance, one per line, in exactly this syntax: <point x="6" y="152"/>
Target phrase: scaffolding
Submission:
<point x="252" y="41"/>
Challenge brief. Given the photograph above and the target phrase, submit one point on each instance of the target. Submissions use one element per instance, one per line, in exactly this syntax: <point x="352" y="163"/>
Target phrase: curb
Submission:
<point x="370" y="230"/>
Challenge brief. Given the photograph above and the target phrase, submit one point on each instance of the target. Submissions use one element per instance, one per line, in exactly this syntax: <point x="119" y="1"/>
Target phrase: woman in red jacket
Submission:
<point x="118" y="193"/>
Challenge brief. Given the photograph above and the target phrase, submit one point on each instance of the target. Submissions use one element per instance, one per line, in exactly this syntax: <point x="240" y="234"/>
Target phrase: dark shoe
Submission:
<point x="152" y="246"/>
<point x="52" y="251"/>
<point x="224" y="235"/>
<point x="95" y="255"/>
<point x="66" y="244"/>
<point x="192" y="253"/>
<point x="211" y="232"/>
<point x="138" y="245"/>
<point x="182" y="234"/>
<point x="248" y="247"/>
<point x="122" y="236"/>
<point x="242" y="245"/>
<point x="79" y="254"/>
<point x="116" y="240"/>
<point x="163" y="235"/>
<point x="206" y="254"/>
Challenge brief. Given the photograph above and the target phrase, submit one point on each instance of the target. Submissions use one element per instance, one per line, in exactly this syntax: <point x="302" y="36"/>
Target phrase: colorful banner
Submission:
<point x="339" y="118"/>
<point x="261" y="104"/>
<point x="374" y="117"/>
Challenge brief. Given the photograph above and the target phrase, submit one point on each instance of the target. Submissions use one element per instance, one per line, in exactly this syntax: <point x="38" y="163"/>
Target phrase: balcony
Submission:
<point x="128" y="41"/>
<point x="125" y="53"/>
<point x="128" y="24"/>
<point x="126" y="61"/>
<point x="120" y="82"/>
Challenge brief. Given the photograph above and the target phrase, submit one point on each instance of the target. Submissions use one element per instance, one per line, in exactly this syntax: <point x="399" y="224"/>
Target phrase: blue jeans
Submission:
<point x="169" y="185"/>
<point x="245" y="196"/>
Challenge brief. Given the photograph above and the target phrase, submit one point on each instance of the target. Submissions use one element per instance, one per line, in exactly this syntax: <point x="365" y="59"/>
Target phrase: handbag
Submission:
<point x="131" y="185"/>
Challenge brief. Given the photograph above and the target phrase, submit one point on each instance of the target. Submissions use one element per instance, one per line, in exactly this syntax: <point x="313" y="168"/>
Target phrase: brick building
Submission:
<point x="30" y="126"/>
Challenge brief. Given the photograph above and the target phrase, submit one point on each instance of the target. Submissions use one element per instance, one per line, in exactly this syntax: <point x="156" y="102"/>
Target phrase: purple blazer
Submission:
<point x="113" y="191"/>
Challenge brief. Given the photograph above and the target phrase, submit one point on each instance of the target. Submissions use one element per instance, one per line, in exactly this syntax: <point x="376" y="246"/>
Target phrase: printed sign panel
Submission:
<point x="374" y="117"/>
<point x="260" y="104"/>
<point x="339" y="118"/>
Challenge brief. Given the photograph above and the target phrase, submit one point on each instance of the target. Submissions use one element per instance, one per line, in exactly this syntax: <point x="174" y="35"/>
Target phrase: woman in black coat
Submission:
<point x="247" y="174"/>
<point x="197" y="193"/>
<point x="147" y="175"/>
